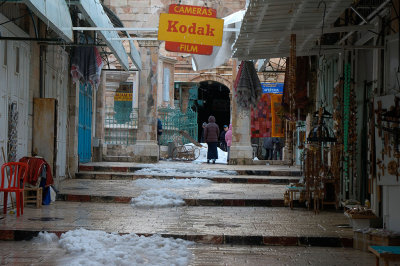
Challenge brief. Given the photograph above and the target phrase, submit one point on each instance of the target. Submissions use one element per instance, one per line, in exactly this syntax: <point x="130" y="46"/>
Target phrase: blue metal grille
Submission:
<point x="85" y="123"/>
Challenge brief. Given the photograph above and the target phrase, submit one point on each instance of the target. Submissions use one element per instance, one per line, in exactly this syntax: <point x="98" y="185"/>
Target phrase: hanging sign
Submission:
<point x="122" y="97"/>
<point x="190" y="11"/>
<point x="275" y="88"/>
<point x="190" y="29"/>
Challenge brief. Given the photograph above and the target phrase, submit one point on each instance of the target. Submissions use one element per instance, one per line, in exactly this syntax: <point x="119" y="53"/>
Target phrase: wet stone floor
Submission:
<point x="223" y="235"/>
<point x="29" y="253"/>
<point x="123" y="218"/>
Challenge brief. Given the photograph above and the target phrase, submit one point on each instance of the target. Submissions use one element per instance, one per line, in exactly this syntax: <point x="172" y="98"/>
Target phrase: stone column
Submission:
<point x="100" y="112"/>
<point x="241" y="151"/>
<point x="146" y="148"/>
<point x="72" y="144"/>
<point x="185" y="98"/>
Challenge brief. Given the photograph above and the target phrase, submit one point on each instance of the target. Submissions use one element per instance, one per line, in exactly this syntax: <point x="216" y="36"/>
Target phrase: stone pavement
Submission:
<point x="212" y="225"/>
<point x="29" y="253"/>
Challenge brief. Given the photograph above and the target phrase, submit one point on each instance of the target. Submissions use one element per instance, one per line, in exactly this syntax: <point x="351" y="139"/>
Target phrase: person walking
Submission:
<point x="277" y="149"/>
<point x="159" y="130"/>
<point x="211" y="133"/>
<point x="228" y="139"/>
<point x="222" y="141"/>
<point x="268" y="145"/>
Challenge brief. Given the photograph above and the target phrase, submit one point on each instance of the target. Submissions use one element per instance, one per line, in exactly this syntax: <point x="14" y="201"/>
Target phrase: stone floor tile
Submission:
<point x="181" y="220"/>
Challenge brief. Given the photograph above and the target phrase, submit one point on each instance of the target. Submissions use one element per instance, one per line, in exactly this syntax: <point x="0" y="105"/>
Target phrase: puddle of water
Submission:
<point x="220" y="192"/>
<point x="46" y="219"/>
<point x="75" y="188"/>
<point x="221" y="225"/>
<point x="343" y="225"/>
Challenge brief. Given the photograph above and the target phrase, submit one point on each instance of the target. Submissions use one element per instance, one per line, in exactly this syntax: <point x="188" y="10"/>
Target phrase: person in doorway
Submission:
<point x="222" y="142"/>
<point x="202" y="132"/>
<point x="211" y="133"/>
<point x="277" y="149"/>
<point x="228" y="139"/>
<point x="268" y="145"/>
<point x="159" y="130"/>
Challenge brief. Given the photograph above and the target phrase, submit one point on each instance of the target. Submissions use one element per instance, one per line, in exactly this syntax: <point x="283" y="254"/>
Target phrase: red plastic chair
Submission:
<point x="16" y="177"/>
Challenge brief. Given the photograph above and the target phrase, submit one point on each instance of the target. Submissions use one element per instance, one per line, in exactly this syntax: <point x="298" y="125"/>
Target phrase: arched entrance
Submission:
<point x="213" y="99"/>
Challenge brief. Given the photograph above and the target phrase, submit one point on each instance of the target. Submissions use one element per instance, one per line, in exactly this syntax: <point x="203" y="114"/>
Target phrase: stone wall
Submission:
<point x="145" y="13"/>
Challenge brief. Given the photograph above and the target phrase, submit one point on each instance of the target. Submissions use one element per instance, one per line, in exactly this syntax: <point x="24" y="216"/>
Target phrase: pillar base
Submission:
<point x="287" y="156"/>
<point x="241" y="155"/>
<point x="146" y="152"/>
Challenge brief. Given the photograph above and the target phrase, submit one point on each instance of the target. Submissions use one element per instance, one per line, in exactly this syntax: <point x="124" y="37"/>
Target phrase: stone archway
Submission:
<point x="212" y="77"/>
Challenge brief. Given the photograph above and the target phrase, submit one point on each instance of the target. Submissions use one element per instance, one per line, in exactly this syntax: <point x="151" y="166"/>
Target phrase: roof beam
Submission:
<point x="271" y="34"/>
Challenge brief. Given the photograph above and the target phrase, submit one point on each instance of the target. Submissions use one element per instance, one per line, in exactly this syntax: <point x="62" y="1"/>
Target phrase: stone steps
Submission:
<point x="117" y="158"/>
<point x="132" y="169"/>
<point x="213" y="194"/>
<point x="250" y="179"/>
<point x="188" y="202"/>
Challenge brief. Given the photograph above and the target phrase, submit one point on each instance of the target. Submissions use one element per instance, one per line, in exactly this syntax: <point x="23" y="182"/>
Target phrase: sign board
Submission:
<point x="190" y="29"/>
<point x="122" y="97"/>
<point x="190" y="11"/>
<point x="275" y="88"/>
<point x="276" y="122"/>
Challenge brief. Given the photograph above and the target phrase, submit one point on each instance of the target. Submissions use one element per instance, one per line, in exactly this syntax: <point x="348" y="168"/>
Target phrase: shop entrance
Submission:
<point x="213" y="99"/>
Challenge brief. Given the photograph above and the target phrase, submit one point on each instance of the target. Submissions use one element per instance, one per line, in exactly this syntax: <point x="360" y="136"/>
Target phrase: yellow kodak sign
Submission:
<point x="190" y="29"/>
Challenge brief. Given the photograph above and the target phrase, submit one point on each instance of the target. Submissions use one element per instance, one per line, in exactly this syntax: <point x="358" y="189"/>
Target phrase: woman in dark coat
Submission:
<point x="211" y="134"/>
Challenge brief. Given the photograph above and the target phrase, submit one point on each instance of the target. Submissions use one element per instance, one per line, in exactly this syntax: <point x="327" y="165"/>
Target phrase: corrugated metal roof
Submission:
<point x="96" y="16"/>
<point x="54" y="13"/>
<point x="268" y="24"/>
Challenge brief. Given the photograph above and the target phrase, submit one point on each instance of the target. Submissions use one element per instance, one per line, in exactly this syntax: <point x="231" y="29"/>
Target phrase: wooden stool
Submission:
<point x="387" y="253"/>
<point x="33" y="195"/>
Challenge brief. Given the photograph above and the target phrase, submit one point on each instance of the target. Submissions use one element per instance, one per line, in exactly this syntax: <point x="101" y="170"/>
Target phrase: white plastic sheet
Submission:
<point x="220" y="54"/>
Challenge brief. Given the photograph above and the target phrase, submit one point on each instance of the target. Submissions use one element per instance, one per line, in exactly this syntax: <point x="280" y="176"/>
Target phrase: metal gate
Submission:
<point x="85" y="123"/>
<point x="173" y="121"/>
<point x="120" y="124"/>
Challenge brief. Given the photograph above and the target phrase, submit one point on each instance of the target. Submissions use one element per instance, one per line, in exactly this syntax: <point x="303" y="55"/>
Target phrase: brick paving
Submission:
<point x="29" y="253"/>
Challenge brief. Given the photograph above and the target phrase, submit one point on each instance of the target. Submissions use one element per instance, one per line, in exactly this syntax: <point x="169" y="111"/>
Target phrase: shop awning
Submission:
<point x="135" y="56"/>
<point x="268" y="24"/>
<point x="96" y="16"/>
<point x="55" y="13"/>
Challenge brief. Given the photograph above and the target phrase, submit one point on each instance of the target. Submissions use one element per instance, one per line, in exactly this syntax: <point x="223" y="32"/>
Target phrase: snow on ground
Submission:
<point x="45" y="238"/>
<point x="158" y="195"/>
<point x="157" y="198"/>
<point x="171" y="183"/>
<point x="85" y="247"/>
<point x="183" y="171"/>
<point x="222" y="155"/>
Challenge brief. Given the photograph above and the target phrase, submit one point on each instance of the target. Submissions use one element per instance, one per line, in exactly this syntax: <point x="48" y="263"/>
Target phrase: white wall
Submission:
<point x="14" y="87"/>
<point x="56" y="86"/>
<point x="391" y="207"/>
